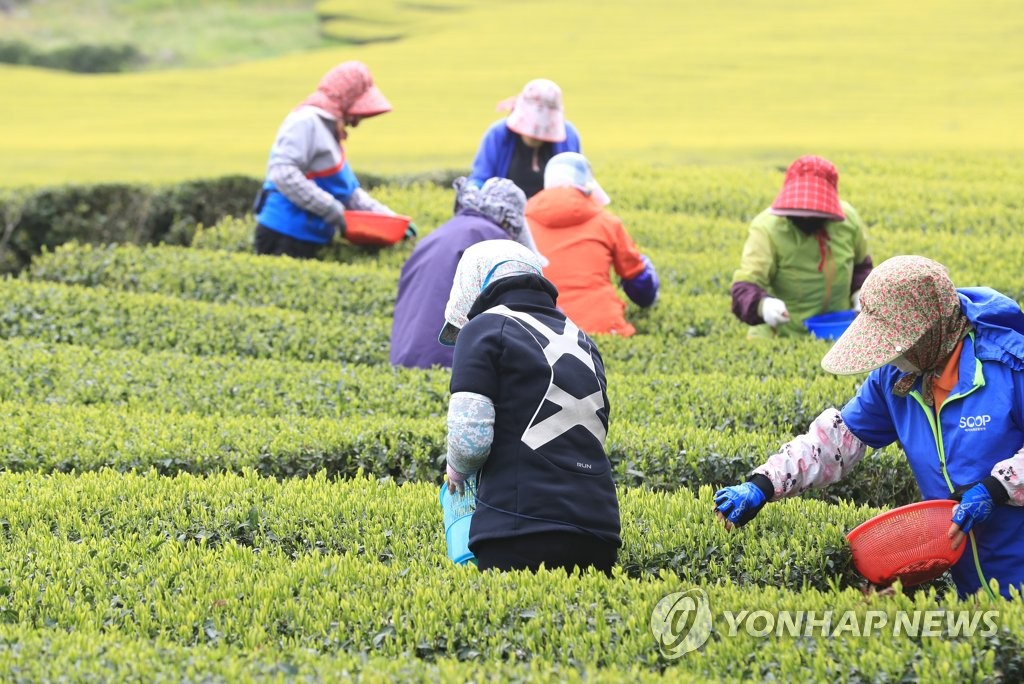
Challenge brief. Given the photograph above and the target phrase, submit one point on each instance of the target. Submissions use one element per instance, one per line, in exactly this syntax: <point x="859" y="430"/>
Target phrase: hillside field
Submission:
<point x="657" y="81"/>
<point x="211" y="473"/>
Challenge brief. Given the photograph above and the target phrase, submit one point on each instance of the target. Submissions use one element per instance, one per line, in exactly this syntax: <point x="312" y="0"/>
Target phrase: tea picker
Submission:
<point x="946" y="379"/>
<point x="310" y="186"/>
<point x="528" y="416"/>
<point x="805" y="255"/>
<point x="492" y="212"/>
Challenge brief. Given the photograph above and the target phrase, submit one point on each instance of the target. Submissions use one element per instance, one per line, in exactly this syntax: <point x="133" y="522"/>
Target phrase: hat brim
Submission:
<point x="866" y="345"/>
<point x="523" y="124"/>
<point x="448" y="335"/>
<point x="370" y="103"/>
<point x="599" y="195"/>
<point x="809" y="194"/>
<point x="809" y="213"/>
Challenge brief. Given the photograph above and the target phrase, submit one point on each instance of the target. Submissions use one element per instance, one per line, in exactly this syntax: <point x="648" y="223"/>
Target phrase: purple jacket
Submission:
<point x="495" y="153"/>
<point x="424" y="286"/>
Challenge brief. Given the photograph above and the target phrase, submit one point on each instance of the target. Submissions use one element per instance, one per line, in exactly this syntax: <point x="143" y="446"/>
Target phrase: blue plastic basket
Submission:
<point x="829" y="326"/>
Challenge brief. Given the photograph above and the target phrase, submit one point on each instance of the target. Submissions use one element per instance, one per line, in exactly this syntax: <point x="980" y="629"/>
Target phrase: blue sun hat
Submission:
<point x="573" y="169"/>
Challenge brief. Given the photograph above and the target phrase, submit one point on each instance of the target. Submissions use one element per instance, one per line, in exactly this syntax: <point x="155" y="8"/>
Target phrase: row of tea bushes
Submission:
<point x="48" y="655"/>
<point x="108" y="319"/>
<point x="115" y="319"/>
<point x="693" y="307"/>
<point x="686" y="334"/>
<point x="222" y="277"/>
<point x="100" y="655"/>
<point x="173" y="381"/>
<point x="45" y="437"/>
<point x="795" y="543"/>
<point x="233" y="563"/>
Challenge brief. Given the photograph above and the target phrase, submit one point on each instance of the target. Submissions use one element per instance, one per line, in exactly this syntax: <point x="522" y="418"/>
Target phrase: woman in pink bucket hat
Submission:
<point x="805" y="255"/>
<point x="309" y="182"/>
<point x="518" y="146"/>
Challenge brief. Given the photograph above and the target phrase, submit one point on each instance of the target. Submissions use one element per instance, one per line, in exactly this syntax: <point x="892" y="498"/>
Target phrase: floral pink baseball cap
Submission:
<point x="538" y="112"/>
<point x="905" y="301"/>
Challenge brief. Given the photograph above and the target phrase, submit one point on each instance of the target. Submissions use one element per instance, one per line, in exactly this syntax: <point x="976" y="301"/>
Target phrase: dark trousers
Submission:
<point x="553" y="549"/>
<point x="271" y="242"/>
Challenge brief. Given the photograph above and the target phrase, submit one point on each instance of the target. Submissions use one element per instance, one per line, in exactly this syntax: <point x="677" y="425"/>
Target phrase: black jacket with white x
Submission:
<point x="547" y="470"/>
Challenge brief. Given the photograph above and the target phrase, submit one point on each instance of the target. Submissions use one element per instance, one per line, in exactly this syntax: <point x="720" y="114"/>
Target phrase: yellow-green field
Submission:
<point x="667" y="81"/>
<point x="213" y="473"/>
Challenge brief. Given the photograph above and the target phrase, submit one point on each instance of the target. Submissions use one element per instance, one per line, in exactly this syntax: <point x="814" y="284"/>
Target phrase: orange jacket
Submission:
<point x="583" y="242"/>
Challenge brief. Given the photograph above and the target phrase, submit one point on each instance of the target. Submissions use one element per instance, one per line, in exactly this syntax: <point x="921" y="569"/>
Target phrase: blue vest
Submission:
<point x="280" y="214"/>
<point x="978" y="425"/>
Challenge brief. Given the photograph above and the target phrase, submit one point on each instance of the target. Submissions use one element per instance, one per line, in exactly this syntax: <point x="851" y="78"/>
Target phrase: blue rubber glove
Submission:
<point x="411" y="231"/>
<point x="740" y="503"/>
<point x="976" y="504"/>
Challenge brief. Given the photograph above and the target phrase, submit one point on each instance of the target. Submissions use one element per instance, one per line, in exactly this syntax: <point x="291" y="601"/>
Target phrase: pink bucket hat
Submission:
<point x="810" y="189"/>
<point x="538" y="113"/>
<point x="348" y="89"/>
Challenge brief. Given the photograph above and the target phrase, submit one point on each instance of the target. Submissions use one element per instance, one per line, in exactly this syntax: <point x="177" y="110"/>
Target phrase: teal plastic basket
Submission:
<point x="458" y="514"/>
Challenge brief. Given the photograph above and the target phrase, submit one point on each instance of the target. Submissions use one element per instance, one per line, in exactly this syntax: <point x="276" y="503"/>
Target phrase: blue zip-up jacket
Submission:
<point x="978" y="425"/>
<point x="497" y="146"/>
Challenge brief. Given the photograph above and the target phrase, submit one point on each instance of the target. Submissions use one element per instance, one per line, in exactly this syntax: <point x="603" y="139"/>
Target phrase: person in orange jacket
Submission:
<point x="583" y="242"/>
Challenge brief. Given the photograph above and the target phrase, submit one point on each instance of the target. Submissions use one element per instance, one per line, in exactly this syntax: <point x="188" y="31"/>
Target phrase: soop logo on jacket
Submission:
<point x="974" y="423"/>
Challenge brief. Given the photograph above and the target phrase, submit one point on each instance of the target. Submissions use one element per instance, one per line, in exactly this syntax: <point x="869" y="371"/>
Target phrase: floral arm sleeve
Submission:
<point x="470" y="431"/>
<point x="822" y="456"/>
<point x="1009" y="473"/>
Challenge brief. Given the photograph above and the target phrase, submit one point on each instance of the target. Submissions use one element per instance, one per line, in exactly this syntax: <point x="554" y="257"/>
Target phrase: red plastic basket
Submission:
<point x="377" y="230"/>
<point x="907" y="543"/>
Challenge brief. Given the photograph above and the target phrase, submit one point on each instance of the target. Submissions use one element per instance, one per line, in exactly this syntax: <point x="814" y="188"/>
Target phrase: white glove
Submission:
<point x="855" y="300"/>
<point x="773" y="311"/>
